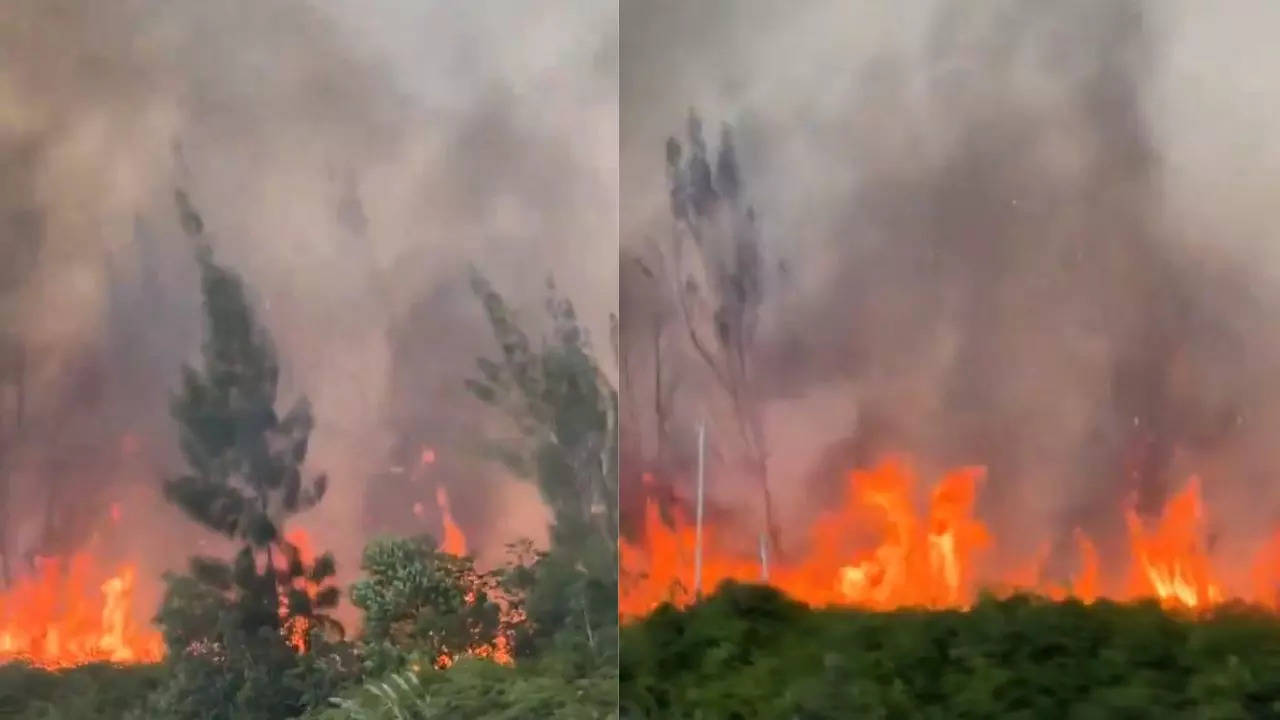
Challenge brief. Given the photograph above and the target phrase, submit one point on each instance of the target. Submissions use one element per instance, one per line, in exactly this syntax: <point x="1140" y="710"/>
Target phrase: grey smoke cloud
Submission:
<point x="1031" y="235"/>
<point x="350" y="160"/>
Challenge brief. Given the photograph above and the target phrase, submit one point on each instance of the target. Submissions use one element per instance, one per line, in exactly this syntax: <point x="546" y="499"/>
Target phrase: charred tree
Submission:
<point x="649" y="370"/>
<point x="21" y="234"/>
<point x="713" y="263"/>
<point x="13" y="390"/>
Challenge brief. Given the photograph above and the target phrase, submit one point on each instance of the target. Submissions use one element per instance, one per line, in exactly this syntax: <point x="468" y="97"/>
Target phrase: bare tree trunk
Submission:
<point x="5" y="573"/>
<point x="9" y="434"/>
<point x="5" y="433"/>
<point x="659" y="404"/>
<point x="48" y="538"/>
<point x="719" y="310"/>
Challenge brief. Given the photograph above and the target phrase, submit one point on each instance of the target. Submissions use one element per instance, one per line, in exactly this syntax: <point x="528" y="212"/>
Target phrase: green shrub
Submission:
<point x="750" y="652"/>
<point x="88" y="692"/>
<point x="417" y="600"/>
<point x="480" y="689"/>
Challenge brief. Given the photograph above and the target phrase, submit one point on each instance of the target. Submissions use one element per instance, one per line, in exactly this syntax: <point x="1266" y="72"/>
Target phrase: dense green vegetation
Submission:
<point x="428" y="618"/>
<point x="84" y="693"/>
<point x="750" y="652"/>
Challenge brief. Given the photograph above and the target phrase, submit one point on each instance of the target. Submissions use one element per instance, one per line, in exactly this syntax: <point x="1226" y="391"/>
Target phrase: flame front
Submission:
<point x="879" y="549"/>
<point x="58" y="618"/>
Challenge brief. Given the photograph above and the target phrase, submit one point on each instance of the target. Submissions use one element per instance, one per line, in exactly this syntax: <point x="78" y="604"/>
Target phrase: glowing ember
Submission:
<point x="497" y="651"/>
<point x="454" y="543"/>
<point x="882" y="549"/>
<point x="57" y="618"/>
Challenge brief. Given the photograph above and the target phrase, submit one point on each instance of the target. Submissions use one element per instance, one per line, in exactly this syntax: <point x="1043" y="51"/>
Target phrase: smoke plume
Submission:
<point x="1027" y="235"/>
<point x="350" y="163"/>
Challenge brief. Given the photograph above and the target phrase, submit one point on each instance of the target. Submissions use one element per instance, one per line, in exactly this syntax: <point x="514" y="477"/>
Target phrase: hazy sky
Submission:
<point x="1033" y="235"/>
<point x="453" y="141"/>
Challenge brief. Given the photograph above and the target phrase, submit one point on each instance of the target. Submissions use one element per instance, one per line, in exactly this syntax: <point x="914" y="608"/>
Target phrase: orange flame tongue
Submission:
<point x="296" y="628"/>
<point x="51" y="621"/>
<point x="917" y="560"/>
<point x="1172" y="563"/>
<point x="455" y="543"/>
<point x="916" y="563"/>
<point x="1085" y="585"/>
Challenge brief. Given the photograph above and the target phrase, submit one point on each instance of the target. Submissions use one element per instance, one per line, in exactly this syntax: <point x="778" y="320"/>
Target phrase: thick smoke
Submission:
<point x="1029" y="235"/>
<point x="350" y="163"/>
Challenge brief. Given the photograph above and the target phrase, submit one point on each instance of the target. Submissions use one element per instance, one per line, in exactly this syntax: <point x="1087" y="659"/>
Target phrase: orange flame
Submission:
<point x="496" y="651"/>
<point x="1172" y="563"/>
<point x="916" y="563"/>
<point x="53" y="620"/>
<point x="296" y="629"/>
<point x="879" y="550"/>
<point x="1085" y="585"/>
<point x="455" y="543"/>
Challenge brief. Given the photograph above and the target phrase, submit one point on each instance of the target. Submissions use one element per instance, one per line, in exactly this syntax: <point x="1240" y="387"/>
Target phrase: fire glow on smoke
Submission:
<point x="930" y="558"/>
<point x="66" y="614"/>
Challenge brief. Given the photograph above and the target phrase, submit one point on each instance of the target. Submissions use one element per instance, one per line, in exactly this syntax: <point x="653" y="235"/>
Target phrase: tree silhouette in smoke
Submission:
<point x="20" y="244"/>
<point x="714" y="264"/>
<point x="566" y="412"/>
<point x="12" y="409"/>
<point x="245" y="461"/>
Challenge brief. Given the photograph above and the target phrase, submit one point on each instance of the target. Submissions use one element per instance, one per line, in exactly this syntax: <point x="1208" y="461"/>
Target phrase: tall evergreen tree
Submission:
<point x="566" y="410"/>
<point x="245" y="460"/>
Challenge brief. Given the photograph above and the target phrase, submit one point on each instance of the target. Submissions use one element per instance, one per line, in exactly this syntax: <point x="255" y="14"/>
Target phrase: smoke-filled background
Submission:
<point x="350" y="160"/>
<point x="1035" y="236"/>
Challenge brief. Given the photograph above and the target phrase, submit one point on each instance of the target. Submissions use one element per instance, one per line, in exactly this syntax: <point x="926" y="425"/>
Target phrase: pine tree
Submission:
<point x="245" y="461"/>
<point x="565" y="409"/>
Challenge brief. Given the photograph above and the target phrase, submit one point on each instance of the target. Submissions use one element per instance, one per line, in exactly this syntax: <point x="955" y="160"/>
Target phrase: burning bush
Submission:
<point x="420" y="601"/>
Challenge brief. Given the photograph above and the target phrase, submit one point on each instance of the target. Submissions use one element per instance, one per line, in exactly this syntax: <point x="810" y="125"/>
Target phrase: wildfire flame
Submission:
<point x="455" y="543"/>
<point x="57" y="618"/>
<point x="496" y="651"/>
<point x="296" y="629"/>
<point x="1172" y="561"/>
<point x="928" y="558"/>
